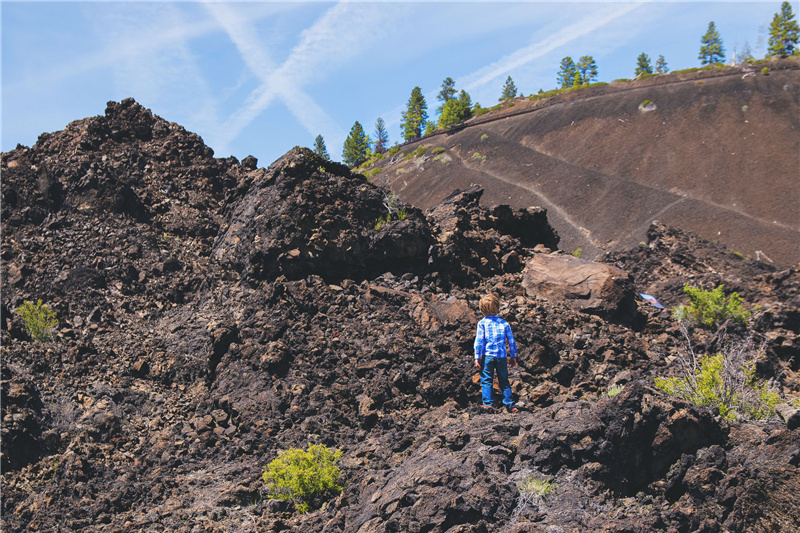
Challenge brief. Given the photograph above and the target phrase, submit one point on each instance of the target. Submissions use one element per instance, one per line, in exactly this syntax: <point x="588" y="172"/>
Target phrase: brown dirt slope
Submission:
<point x="718" y="156"/>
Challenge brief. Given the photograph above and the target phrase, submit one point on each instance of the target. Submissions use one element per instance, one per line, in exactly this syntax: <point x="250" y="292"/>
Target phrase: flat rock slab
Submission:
<point x="586" y="286"/>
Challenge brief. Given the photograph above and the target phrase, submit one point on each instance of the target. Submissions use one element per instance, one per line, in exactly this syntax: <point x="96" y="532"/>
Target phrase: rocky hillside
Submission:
<point x="713" y="152"/>
<point x="213" y="313"/>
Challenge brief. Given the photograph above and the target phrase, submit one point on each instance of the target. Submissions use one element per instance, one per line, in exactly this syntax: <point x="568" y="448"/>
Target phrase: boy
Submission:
<point x="490" y="352"/>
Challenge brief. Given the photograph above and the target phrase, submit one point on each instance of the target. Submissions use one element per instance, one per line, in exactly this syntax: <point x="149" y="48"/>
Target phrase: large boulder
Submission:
<point x="586" y="286"/>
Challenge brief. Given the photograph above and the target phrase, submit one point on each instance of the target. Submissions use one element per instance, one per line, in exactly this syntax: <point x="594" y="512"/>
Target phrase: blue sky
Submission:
<point x="257" y="78"/>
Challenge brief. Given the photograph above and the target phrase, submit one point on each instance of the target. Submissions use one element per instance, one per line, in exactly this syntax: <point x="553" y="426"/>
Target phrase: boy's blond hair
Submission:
<point x="490" y="305"/>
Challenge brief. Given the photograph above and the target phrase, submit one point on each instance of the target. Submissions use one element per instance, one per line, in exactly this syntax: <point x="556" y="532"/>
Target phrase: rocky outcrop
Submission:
<point x="306" y="215"/>
<point x="212" y="314"/>
<point x="475" y="243"/>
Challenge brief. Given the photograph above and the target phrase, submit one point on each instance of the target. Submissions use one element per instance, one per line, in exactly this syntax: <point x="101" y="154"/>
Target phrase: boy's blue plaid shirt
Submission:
<point x="490" y="339"/>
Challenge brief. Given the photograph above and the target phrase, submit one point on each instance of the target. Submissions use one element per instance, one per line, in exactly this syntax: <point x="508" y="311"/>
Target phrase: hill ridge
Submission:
<point x="724" y="140"/>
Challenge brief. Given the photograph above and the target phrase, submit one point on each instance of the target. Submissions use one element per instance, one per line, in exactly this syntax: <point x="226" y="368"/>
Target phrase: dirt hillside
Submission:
<point x="716" y="153"/>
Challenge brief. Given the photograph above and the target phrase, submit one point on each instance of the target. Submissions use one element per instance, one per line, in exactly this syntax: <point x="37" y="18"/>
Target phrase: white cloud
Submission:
<point x="341" y="34"/>
<point x="562" y="37"/>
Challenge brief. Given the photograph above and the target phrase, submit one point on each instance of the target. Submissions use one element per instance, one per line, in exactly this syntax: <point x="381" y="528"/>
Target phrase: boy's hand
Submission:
<point x="478" y="364"/>
<point x="513" y="362"/>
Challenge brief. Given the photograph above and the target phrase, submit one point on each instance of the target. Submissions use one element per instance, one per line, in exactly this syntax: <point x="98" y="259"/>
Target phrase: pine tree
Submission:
<point x="509" y="90"/>
<point x="661" y="65"/>
<point x="466" y="100"/>
<point x="643" y="65"/>
<point x="319" y="148"/>
<point x="356" y="146"/>
<point x="448" y="91"/>
<point x="588" y="69"/>
<point x="415" y="116"/>
<point x="381" y="137"/>
<point x="783" y="32"/>
<point x="711" y="49"/>
<point x="578" y="81"/>
<point x="456" y="111"/>
<point x="566" y="72"/>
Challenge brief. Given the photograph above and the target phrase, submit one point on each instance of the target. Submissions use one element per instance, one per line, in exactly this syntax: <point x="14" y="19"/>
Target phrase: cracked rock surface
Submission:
<point x="213" y="313"/>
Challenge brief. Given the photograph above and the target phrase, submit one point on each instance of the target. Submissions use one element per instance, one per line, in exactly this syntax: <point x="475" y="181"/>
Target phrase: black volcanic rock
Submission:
<point x="307" y="215"/>
<point x="213" y="314"/>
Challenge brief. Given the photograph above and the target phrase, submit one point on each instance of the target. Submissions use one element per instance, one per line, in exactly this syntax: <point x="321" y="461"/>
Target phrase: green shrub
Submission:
<point x="476" y="155"/>
<point x="382" y="221"/>
<point x="393" y="150"/>
<point x="710" y="309"/>
<point x="38" y="320"/>
<point x="646" y="103"/>
<point x="533" y="490"/>
<point x="613" y="391"/>
<point x="303" y="476"/>
<point x="372" y="172"/>
<point x="480" y="111"/>
<point x="537" y="486"/>
<point x="437" y="150"/>
<point x="577" y="253"/>
<point x="726" y="382"/>
<point x="484" y="136"/>
<point x="765" y="71"/>
<point x="419" y="152"/>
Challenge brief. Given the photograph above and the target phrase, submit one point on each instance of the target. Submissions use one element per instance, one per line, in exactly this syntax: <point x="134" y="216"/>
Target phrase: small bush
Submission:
<point x="382" y="221"/>
<point x="38" y="320"/>
<point x="437" y="150"/>
<point x="577" y="253"/>
<point x="726" y="381"/>
<point x="646" y="103"/>
<point x="533" y="490"/>
<point x="373" y="172"/>
<point x="303" y="476"/>
<point x="393" y="150"/>
<point x="476" y="155"/>
<point x="419" y="152"/>
<point x="710" y="309"/>
<point x="613" y="391"/>
<point x="765" y="71"/>
<point x="484" y="136"/>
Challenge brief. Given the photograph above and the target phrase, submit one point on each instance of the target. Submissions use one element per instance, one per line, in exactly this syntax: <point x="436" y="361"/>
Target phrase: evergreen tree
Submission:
<point x="643" y="65"/>
<point x="430" y="128"/>
<point x="783" y="32"/>
<point x="448" y="91"/>
<point x="456" y="110"/>
<point x="356" y="146"/>
<point x="587" y="68"/>
<point x="711" y="49"/>
<point x="381" y="137"/>
<point x="319" y="148"/>
<point x="661" y="65"/>
<point x="566" y="72"/>
<point x="415" y="116"/>
<point x="466" y="100"/>
<point x="578" y="81"/>
<point x="509" y="90"/>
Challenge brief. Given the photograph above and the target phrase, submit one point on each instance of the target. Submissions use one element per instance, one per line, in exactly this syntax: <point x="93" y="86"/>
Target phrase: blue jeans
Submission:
<point x="488" y="367"/>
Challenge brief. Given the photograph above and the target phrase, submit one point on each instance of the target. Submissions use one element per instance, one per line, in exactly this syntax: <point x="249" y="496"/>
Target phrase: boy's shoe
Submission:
<point x="512" y="410"/>
<point x="487" y="407"/>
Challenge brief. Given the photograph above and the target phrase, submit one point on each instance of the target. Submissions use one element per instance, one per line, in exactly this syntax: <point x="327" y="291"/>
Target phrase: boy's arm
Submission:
<point x="512" y="347"/>
<point x="480" y="344"/>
